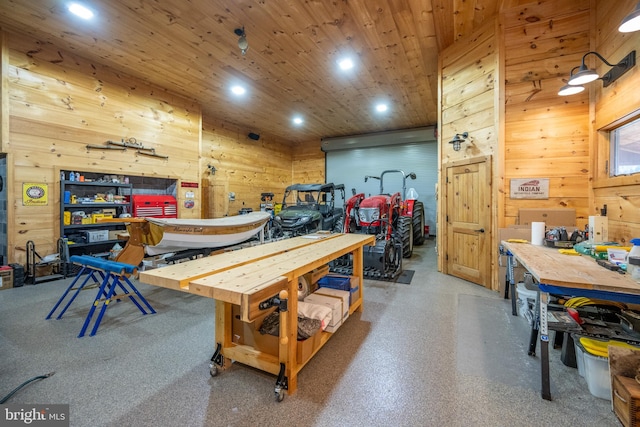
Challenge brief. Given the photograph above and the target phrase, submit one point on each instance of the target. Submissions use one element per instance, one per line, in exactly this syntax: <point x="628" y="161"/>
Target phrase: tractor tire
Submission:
<point x="338" y="226"/>
<point x="405" y="229"/>
<point x="418" y="224"/>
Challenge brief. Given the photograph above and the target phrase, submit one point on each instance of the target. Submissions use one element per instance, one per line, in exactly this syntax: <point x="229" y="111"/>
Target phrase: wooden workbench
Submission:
<point x="248" y="277"/>
<point x="567" y="275"/>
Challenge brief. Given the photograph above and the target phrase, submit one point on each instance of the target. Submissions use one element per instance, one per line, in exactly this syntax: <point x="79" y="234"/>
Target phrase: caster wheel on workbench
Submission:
<point x="213" y="370"/>
<point x="279" y="395"/>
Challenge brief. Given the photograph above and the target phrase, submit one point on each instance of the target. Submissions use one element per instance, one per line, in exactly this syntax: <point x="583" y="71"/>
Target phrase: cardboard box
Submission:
<point x="245" y="333"/>
<point x="343" y="296"/>
<point x="551" y="217"/>
<point x="6" y="277"/>
<point x="334" y="304"/>
<point x="113" y="234"/>
<point x="43" y="270"/>
<point x="598" y="229"/>
<point x="305" y="349"/>
<point x="97" y="236"/>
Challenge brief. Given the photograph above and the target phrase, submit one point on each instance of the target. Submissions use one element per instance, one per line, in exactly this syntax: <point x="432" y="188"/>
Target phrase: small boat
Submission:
<point x="155" y="236"/>
<point x="181" y="234"/>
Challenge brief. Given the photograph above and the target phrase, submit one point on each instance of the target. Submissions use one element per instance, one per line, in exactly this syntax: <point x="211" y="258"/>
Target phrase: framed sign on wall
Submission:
<point x="529" y="188"/>
<point x="35" y="194"/>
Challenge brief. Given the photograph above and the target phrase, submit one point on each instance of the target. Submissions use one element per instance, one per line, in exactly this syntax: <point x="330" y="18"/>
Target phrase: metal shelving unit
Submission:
<point x="84" y="191"/>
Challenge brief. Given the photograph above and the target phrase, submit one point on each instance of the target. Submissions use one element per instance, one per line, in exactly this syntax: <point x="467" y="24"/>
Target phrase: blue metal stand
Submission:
<point x="113" y="275"/>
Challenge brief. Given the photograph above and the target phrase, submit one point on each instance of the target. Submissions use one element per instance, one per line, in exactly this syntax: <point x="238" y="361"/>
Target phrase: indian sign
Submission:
<point x="529" y="188"/>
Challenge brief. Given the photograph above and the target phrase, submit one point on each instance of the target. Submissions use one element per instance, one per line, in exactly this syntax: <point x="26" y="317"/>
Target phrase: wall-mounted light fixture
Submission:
<point x="631" y="22"/>
<point x="458" y="139"/>
<point x="243" y="44"/>
<point x="585" y="75"/>
<point x="571" y="89"/>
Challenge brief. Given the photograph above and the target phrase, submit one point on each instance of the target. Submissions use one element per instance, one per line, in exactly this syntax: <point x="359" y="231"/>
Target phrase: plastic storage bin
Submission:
<point x="596" y="372"/>
<point x="335" y="282"/>
<point x="526" y="302"/>
<point x="579" y="354"/>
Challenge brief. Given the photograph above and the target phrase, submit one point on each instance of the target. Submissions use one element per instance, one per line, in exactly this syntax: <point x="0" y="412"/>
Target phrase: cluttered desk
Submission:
<point x="573" y="275"/>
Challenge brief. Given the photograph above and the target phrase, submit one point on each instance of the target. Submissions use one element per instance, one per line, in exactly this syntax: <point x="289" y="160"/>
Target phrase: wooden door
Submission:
<point x="215" y="199"/>
<point x="468" y="221"/>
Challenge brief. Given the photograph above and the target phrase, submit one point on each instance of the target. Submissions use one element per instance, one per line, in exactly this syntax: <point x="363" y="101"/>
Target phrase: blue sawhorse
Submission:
<point x="112" y="275"/>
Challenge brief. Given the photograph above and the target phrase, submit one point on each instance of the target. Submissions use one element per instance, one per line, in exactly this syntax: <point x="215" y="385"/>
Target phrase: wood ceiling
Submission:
<point x="189" y="47"/>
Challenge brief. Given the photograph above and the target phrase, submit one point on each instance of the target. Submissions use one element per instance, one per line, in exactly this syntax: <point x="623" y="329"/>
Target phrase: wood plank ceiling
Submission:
<point x="189" y="47"/>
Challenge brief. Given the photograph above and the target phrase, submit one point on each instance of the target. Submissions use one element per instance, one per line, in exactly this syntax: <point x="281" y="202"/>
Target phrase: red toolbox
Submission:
<point x="156" y="206"/>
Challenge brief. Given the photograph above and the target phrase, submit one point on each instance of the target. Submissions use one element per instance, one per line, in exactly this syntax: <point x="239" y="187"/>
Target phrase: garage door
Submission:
<point x="350" y="166"/>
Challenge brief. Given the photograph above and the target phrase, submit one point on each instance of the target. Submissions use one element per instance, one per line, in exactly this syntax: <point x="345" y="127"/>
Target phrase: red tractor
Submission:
<point x="398" y="224"/>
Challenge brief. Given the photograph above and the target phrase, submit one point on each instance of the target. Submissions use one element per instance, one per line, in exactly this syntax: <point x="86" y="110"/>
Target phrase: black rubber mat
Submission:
<point x="405" y="277"/>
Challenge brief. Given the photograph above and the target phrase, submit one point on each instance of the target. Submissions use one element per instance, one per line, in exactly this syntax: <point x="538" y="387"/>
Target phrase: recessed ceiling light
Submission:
<point x="381" y="108"/>
<point x="80" y="10"/>
<point x="238" y="90"/>
<point x="297" y="120"/>
<point x="345" y="64"/>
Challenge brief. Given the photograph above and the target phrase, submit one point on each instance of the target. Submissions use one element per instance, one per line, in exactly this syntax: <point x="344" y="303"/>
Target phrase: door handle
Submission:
<point x="480" y="231"/>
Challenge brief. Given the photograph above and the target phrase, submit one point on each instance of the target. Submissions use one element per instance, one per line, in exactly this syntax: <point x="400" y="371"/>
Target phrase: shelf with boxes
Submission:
<point x="83" y="203"/>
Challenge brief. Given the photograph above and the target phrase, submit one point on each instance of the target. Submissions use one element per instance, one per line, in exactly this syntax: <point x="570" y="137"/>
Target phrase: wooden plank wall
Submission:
<point x="621" y="99"/>
<point x="468" y="100"/>
<point x="59" y="103"/>
<point x="546" y="135"/>
<point x="308" y="163"/>
<point x="243" y="166"/>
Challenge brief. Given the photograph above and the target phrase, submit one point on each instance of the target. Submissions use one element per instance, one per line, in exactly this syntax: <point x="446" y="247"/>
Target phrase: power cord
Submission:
<point x="15" y="390"/>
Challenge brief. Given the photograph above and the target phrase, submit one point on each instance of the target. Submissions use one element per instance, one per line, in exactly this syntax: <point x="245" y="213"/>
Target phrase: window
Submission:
<point x="625" y="149"/>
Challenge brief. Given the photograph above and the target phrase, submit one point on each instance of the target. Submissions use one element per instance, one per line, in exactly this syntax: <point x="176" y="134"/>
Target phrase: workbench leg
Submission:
<point x="533" y="338"/>
<point x="544" y="346"/>
<point x="222" y="336"/>
<point x="289" y="337"/>
<point x="358" y="271"/>
<point x="544" y="370"/>
<point x="511" y="283"/>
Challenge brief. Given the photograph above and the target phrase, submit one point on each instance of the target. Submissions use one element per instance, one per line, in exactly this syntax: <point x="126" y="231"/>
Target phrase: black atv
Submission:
<point x="307" y="208"/>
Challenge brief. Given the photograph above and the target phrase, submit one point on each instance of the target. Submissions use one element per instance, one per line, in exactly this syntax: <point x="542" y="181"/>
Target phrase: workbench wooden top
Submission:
<point x="550" y="267"/>
<point x="231" y="275"/>
<point x="178" y="276"/>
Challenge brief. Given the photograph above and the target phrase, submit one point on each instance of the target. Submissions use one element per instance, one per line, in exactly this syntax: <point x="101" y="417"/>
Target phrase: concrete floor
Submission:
<point x="438" y="352"/>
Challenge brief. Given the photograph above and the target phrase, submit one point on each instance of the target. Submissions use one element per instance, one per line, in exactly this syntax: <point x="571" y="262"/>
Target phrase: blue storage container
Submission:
<point x="335" y="282"/>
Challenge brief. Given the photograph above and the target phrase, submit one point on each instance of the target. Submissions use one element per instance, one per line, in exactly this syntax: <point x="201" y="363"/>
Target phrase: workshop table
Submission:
<point x="573" y="275"/>
<point x="256" y="279"/>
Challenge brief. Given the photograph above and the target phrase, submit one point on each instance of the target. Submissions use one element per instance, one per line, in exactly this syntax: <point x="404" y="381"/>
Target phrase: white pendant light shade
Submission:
<point x="583" y="76"/>
<point x="570" y="90"/>
<point x="631" y="22"/>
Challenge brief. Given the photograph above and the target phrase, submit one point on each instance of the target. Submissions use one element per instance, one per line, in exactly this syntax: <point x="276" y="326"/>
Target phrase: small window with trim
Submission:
<point x="625" y="149"/>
